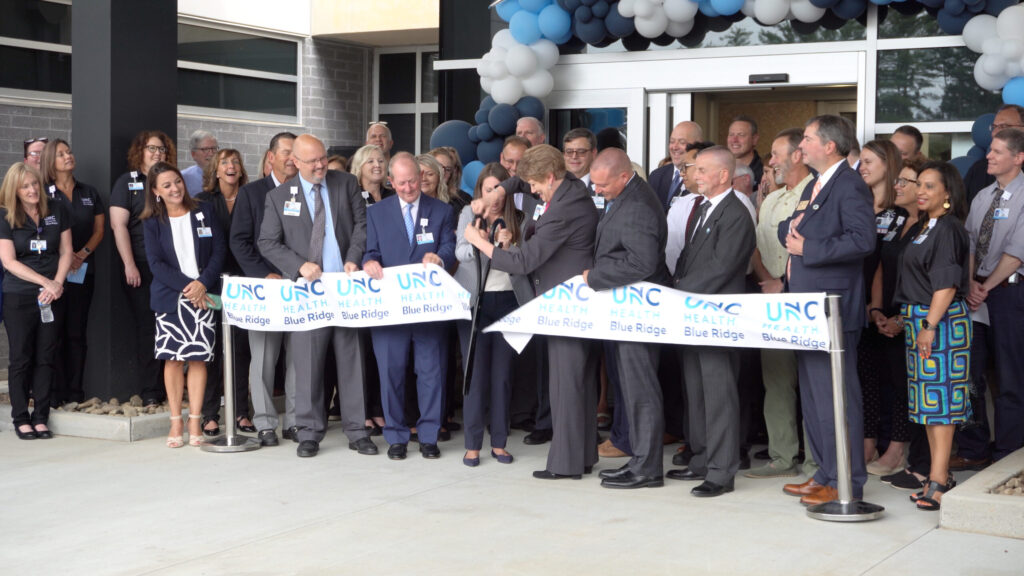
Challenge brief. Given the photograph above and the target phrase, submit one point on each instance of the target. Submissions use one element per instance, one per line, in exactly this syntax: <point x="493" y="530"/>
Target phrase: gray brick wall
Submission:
<point x="19" y="123"/>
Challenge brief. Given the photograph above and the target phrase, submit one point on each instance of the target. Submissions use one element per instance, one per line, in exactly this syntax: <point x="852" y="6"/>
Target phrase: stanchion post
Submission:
<point x="845" y="509"/>
<point x="231" y="442"/>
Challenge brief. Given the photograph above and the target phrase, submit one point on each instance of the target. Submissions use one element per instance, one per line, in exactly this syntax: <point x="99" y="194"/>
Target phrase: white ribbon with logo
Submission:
<point x="645" y="312"/>
<point x="407" y="294"/>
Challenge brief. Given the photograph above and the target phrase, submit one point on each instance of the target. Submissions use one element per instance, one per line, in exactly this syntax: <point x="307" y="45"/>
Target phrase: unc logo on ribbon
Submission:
<point x="645" y="312"/>
<point x="405" y="295"/>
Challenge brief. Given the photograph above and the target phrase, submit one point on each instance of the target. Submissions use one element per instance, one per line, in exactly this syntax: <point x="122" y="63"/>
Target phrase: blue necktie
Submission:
<point x="408" y="222"/>
<point x="675" y="184"/>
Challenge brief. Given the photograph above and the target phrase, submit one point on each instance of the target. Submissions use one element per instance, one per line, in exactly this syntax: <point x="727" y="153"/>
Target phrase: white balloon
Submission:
<point x="497" y="69"/>
<point x="987" y="81"/>
<point x="805" y="11"/>
<point x="503" y="39"/>
<point x="1010" y="23"/>
<point x="651" y="27"/>
<point x="483" y="67"/>
<point x="645" y="9"/>
<point x="626" y="8"/>
<point x="1013" y="69"/>
<point x="486" y="84"/>
<point x="679" y="29"/>
<point x="521" y="61"/>
<point x="683" y="10"/>
<point x="508" y="90"/>
<point x="539" y="85"/>
<point x="1013" y="49"/>
<point x="547" y="53"/>
<point x="498" y="54"/>
<point x="748" y="8"/>
<point x="993" y="45"/>
<point x="993" y="64"/>
<point x="978" y="30"/>
<point x="771" y="12"/>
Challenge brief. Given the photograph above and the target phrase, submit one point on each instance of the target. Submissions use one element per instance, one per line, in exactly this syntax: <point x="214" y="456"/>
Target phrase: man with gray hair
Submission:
<point x="530" y="128"/>
<point x="379" y="134"/>
<point x="202" y="145"/>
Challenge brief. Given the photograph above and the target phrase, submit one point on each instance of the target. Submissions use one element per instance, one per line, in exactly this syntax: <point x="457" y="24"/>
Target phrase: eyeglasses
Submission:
<point x="321" y="160"/>
<point x="902" y="182"/>
<point x="573" y="152"/>
<point x="688" y="166"/>
<point x="157" y="149"/>
<point x="32" y="141"/>
<point x="208" y="149"/>
<point x="1001" y="127"/>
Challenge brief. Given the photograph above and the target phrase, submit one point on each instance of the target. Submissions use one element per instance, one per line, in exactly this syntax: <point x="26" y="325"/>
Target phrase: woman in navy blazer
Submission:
<point x="186" y="248"/>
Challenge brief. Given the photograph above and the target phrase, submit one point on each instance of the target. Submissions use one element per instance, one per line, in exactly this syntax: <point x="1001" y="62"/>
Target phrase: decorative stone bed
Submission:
<point x="981" y="504"/>
<point x="101" y="420"/>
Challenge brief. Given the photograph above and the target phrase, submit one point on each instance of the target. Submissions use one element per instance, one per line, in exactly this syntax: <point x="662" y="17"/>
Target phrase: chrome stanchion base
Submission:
<point x="231" y="444"/>
<point x="838" y="511"/>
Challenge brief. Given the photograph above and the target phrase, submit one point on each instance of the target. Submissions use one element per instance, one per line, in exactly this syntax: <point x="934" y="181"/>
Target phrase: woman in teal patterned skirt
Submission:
<point x="932" y="285"/>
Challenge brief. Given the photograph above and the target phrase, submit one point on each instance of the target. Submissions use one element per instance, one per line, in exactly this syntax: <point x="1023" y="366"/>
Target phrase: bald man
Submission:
<point x="630" y="248"/>
<point x="379" y="134"/>
<point x="530" y="128"/>
<point x="667" y="181"/>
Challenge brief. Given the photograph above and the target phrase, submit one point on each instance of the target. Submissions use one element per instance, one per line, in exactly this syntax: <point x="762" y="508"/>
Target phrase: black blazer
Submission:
<point x="168" y="281"/>
<point x="630" y="242"/>
<point x="660" y="180"/>
<point x="246" y="220"/>
<point x="715" y="260"/>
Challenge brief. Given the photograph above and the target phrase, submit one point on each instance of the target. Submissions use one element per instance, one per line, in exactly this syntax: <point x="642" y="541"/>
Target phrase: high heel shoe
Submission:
<point x="30" y="435"/>
<point x="195" y="439"/>
<point x="175" y="441"/>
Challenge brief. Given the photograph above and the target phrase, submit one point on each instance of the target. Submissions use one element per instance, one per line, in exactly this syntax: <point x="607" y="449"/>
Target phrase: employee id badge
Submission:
<point x="599" y="202"/>
<point x="1001" y="214"/>
<point x="538" y="211"/>
<point x="204" y="232"/>
<point x="135" y="186"/>
<point x="37" y="246"/>
<point x="889" y="237"/>
<point x="920" y="239"/>
<point x="882" y="224"/>
<point x="425" y="238"/>
<point x="292" y="208"/>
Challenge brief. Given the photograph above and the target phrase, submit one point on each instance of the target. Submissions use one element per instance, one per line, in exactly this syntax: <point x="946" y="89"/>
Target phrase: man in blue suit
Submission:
<point x="409" y="228"/>
<point x="667" y="181"/>
<point x="827" y="238"/>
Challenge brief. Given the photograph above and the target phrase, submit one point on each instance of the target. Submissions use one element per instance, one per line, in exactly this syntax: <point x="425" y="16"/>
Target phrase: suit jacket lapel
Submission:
<point x="700" y="235"/>
<point x="823" y="195"/>
<point x="194" y="224"/>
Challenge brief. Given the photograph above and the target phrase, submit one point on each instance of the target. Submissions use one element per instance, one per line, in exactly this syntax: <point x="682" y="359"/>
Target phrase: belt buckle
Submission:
<point x="1013" y="279"/>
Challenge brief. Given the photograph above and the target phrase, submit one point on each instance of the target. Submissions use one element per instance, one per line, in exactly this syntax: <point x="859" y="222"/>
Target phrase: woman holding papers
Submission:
<point x="88" y="217"/>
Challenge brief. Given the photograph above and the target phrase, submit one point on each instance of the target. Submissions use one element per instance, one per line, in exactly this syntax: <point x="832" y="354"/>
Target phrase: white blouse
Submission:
<point x="184" y="245"/>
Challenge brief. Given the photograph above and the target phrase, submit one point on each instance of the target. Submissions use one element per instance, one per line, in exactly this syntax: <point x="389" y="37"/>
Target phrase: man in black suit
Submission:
<point x="827" y="238"/>
<point x="667" y="181"/>
<point x="630" y="248"/>
<point x="246" y="219"/>
<point x="720" y="241"/>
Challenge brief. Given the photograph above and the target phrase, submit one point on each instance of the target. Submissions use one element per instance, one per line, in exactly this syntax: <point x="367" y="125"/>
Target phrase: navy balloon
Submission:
<point x="455" y="133"/>
<point x="976" y="153"/>
<point x="569" y="5"/>
<point x="502" y="119"/>
<point x="487" y="103"/>
<point x="588" y="2"/>
<point x="850" y="9"/>
<point x="954" y="7"/>
<point x="489" y="150"/>
<point x="481" y="116"/>
<point x="932" y="3"/>
<point x="962" y="164"/>
<point x="953" y="23"/>
<point x="824" y="3"/>
<point x="980" y="131"/>
<point x="583" y="14"/>
<point x="994" y="7"/>
<point x="592" y="32"/>
<point x="474" y="134"/>
<point x="600" y="9"/>
<point x="530" y="106"/>
<point x="484" y="132"/>
<point x="470" y="174"/>
<point x="618" y="25"/>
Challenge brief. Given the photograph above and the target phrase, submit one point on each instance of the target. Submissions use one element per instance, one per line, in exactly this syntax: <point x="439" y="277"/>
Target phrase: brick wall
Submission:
<point x="19" y="123"/>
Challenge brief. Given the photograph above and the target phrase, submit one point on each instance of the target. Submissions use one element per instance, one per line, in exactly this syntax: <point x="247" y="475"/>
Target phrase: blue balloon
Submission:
<point x="489" y="150"/>
<point x="953" y="23"/>
<point x="994" y="7"/>
<point x="470" y="174"/>
<point x="484" y="132"/>
<point x="962" y="164"/>
<point x="563" y="38"/>
<point x="727" y="7"/>
<point x="882" y="2"/>
<point x="533" y="5"/>
<point x="583" y="14"/>
<point x="707" y="9"/>
<point x="588" y="2"/>
<point x="592" y="32"/>
<point x="976" y="153"/>
<point x="507" y="9"/>
<point x="600" y="9"/>
<point x="530" y="106"/>
<point x="850" y="9"/>
<point x="618" y="25"/>
<point x="824" y="3"/>
<point x="980" y="132"/>
<point x="502" y="119"/>
<point x="569" y="5"/>
<point x="524" y="27"/>
<point x="554" y="22"/>
<point x="954" y="7"/>
<point x="481" y="116"/>
<point x="455" y="133"/>
<point x="931" y="3"/>
<point x="487" y="103"/>
<point x="1013" y="92"/>
<point x="473" y="135"/>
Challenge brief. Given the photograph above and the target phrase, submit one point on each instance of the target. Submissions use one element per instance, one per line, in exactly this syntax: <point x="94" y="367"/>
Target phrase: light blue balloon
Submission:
<point x="1013" y="92"/>
<point x="727" y="7"/>
<point x="534" y="6"/>
<point x="707" y="9"/>
<point x="470" y="174"/>
<point x="554" y="22"/>
<point x="524" y="27"/>
<point x="507" y="9"/>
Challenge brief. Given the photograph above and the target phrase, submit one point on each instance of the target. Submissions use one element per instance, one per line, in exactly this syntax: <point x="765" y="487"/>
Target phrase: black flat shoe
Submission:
<point x="249" y="428"/>
<point x="364" y="446"/>
<point x="375" y="430"/>
<point x="30" y="435"/>
<point x="430" y="451"/>
<point x="546" y="475"/>
<point x="215" y="431"/>
<point x="629" y="480"/>
<point x="444" y="435"/>
<point x="397" y="451"/>
<point x="710" y="490"/>
<point x="308" y="448"/>
<point x="291" y="433"/>
<point x="43" y="434"/>
<point x="268" y="438"/>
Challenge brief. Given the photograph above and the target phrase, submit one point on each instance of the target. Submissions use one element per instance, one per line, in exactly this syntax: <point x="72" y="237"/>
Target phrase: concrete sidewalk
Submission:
<point x="76" y="506"/>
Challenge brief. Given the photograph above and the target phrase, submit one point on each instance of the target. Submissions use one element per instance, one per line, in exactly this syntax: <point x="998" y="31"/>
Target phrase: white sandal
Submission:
<point x="195" y="439"/>
<point x="175" y="441"/>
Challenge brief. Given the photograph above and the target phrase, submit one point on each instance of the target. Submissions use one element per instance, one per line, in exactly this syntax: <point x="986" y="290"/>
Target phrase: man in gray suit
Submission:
<point x="630" y="248"/>
<point x="720" y="241"/>
<point x="316" y="223"/>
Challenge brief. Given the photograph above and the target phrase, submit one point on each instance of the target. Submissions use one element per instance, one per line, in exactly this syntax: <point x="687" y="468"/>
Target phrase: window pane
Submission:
<point x="942" y="146"/>
<point x="427" y="124"/>
<point x="403" y="131"/>
<point x="596" y="119"/>
<point x="36" y="20"/>
<point x="212" y="90"/>
<point x="397" y="78"/>
<point x="428" y="77"/>
<point x="930" y="84"/>
<point x="27" y="69"/>
<point x="223" y="48"/>
<point x="897" y="25"/>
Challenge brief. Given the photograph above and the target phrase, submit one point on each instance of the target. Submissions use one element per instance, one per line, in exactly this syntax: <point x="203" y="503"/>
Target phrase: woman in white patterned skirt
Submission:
<point x="186" y="248"/>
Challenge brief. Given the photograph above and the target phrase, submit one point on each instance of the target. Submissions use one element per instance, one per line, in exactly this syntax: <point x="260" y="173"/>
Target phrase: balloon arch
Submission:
<point x="516" y="72"/>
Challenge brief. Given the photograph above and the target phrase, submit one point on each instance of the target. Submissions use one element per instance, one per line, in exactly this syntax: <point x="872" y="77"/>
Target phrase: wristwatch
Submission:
<point x="86" y="250"/>
<point x="926" y="326"/>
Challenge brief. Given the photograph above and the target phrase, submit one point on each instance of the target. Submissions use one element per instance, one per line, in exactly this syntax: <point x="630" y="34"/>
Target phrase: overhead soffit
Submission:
<point x="377" y="23"/>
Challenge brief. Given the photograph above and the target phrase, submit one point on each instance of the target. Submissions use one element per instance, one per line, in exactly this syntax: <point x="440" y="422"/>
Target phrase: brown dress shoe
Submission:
<point x="959" y="463"/>
<point x="608" y="450"/>
<point x="801" y="489"/>
<point x="820" y="496"/>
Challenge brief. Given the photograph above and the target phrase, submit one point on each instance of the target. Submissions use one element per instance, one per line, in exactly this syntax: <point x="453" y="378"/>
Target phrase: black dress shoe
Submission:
<point x="538" y="437"/>
<point x="397" y="451"/>
<point x="430" y="451"/>
<point x="630" y="480"/>
<point x="30" y="435"/>
<point x="684" y="474"/>
<point x="682" y="458"/>
<point x="291" y="433"/>
<point x="453" y="426"/>
<point x="616" y="473"/>
<point x="308" y="448"/>
<point x="710" y="489"/>
<point x="267" y="438"/>
<point x="364" y="446"/>
<point x="744" y="461"/>
<point x="443" y="435"/>
<point x="588" y="469"/>
<point x="375" y="430"/>
<point x="546" y="475"/>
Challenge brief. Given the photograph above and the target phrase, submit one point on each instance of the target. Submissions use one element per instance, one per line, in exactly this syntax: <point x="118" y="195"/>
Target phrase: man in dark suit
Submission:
<point x="827" y="238"/>
<point x="246" y="220"/>
<point x="720" y="241"/>
<point x="410" y="228"/>
<point x="316" y="223"/>
<point x="558" y="245"/>
<point x="630" y="248"/>
<point x="667" y="181"/>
